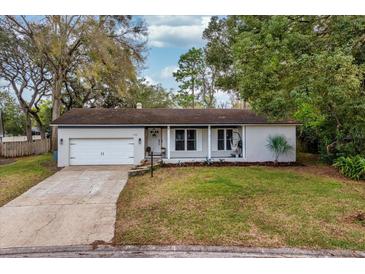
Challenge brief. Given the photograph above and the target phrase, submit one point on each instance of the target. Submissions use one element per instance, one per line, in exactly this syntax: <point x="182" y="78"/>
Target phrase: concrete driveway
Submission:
<point x="77" y="205"/>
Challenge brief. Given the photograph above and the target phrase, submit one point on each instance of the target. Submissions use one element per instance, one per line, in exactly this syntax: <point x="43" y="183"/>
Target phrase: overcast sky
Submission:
<point x="168" y="38"/>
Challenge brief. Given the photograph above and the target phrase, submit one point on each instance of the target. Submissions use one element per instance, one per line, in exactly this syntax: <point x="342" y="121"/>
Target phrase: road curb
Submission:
<point x="174" y="251"/>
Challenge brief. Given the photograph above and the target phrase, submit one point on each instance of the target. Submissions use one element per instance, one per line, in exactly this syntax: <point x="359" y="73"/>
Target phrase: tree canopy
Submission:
<point x="85" y="56"/>
<point x="197" y="80"/>
<point x="309" y="68"/>
<point x="13" y="117"/>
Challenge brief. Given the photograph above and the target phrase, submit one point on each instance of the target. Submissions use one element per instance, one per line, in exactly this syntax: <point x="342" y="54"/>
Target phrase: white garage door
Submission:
<point x="101" y="151"/>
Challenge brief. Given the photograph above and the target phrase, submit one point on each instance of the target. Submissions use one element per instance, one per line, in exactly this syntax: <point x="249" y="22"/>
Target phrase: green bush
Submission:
<point x="278" y="145"/>
<point x="352" y="167"/>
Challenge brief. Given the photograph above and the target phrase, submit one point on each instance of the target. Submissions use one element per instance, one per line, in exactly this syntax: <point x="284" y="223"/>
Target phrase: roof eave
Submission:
<point x="173" y="124"/>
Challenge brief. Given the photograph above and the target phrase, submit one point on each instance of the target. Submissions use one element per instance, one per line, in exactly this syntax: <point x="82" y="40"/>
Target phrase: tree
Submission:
<point x="26" y="74"/>
<point x="104" y="49"/>
<point x="278" y="145"/>
<point x="13" y="117"/>
<point x="188" y="74"/>
<point x="45" y="114"/>
<point x="197" y="80"/>
<point x="306" y="67"/>
<point x="150" y="96"/>
<point x="219" y="37"/>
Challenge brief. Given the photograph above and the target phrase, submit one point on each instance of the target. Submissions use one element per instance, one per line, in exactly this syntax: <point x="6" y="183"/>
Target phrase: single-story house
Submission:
<point x="96" y="136"/>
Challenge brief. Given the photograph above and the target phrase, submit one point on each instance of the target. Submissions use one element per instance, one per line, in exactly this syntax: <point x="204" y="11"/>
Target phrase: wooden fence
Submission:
<point x="17" y="149"/>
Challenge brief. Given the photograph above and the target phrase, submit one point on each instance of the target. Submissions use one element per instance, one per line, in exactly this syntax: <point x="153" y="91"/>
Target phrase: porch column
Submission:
<point x="243" y="136"/>
<point x="168" y="142"/>
<point x="209" y="142"/>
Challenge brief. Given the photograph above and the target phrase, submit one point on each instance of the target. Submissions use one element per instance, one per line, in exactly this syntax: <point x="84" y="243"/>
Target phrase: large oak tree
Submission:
<point x="105" y="50"/>
<point x="25" y="72"/>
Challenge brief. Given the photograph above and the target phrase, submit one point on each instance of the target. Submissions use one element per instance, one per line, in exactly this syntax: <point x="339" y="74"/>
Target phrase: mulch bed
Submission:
<point x="223" y="164"/>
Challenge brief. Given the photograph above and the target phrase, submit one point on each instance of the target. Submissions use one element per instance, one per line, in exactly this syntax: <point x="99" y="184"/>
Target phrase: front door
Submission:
<point x="154" y="140"/>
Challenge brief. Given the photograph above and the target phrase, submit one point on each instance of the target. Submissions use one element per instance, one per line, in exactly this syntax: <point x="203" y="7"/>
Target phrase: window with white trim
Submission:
<point x="180" y="139"/>
<point x="185" y="139"/>
<point x="224" y="139"/>
<point x="190" y="139"/>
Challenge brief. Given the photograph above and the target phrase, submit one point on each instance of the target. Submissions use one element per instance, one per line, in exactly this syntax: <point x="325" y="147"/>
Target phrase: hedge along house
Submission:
<point x="127" y="136"/>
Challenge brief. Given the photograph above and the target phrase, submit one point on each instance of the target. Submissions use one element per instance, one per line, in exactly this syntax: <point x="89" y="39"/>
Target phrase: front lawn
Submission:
<point x="246" y="206"/>
<point x="17" y="177"/>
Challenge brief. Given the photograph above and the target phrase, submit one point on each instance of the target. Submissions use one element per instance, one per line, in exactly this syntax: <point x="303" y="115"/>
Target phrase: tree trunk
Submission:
<point x="276" y="159"/>
<point x="41" y="130"/>
<point x="56" y="109"/>
<point x="28" y="127"/>
<point x="40" y="125"/>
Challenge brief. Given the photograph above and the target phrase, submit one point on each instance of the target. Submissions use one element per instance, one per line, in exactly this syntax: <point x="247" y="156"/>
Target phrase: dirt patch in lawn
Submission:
<point x="310" y="164"/>
<point x="4" y="161"/>
<point x="317" y="170"/>
<point x="357" y="218"/>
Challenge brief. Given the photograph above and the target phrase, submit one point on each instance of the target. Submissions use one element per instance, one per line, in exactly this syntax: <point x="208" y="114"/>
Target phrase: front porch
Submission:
<point x="216" y="143"/>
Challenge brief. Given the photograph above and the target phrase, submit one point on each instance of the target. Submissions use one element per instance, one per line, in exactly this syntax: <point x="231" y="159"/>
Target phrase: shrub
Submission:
<point x="278" y="145"/>
<point x="352" y="167"/>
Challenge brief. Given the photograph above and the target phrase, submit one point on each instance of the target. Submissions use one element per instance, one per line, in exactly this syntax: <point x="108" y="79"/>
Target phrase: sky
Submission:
<point x="168" y="38"/>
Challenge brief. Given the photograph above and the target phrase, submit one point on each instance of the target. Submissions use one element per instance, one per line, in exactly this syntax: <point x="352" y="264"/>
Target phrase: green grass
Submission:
<point x="19" y="176"/>
<point x="247" y="206"/>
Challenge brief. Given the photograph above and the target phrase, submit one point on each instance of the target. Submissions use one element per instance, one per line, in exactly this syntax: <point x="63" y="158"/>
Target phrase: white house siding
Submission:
<point x="256" y="140"/>
<point x="221" y="153"/>
<point x="78" y="132"/>
<point x="203" y="151"/>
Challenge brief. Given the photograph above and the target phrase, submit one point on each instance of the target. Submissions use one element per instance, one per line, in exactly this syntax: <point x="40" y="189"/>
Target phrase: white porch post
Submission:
<point x="243" y="136"/>
<point x="168" y="142"/>
<point x="209" y="142"/>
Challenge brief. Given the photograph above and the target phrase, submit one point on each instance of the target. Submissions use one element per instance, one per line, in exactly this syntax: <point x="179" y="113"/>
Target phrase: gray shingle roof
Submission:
<point x="102" y="116"/>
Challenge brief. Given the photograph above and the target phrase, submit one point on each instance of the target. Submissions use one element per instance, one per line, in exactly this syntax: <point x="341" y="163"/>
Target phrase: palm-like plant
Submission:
<point x="278" y="145"/>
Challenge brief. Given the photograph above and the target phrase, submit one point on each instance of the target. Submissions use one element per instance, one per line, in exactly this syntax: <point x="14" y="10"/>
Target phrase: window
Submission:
<point x="225" y="137"/>
<point x="185" y="139"/>
<point x="229" y="135"/>
<point x="220" y="139"/>
<point x="191" y="139"/>
<point x="180" y="140"/>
